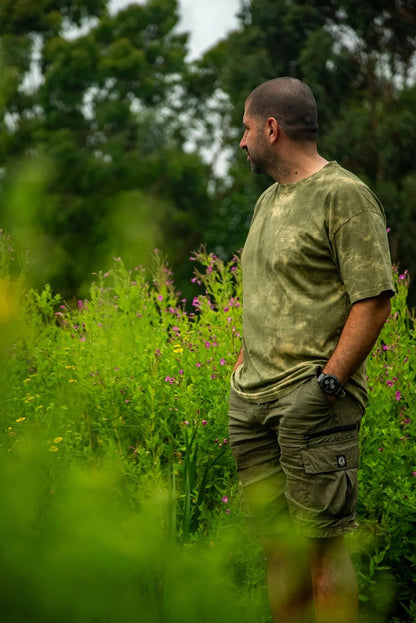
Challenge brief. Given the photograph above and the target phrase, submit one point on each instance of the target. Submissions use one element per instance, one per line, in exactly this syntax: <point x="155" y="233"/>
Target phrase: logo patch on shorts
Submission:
<point x="342" y="460"/>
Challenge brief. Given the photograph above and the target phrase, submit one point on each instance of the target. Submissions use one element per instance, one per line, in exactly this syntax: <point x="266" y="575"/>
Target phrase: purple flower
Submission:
<point x="160" y="297"/>
<point x="398" y="395"/>
<point x="222" y="361"/>
<point x="207" y="345"/>
<point x="225" y="499"/>
<point x="413" y="473"/>
<point x="204" y="422"/>
<point x="198" y="365"/>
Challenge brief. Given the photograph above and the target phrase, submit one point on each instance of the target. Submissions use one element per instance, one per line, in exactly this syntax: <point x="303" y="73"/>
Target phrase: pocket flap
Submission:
<point x="330" y="458"/>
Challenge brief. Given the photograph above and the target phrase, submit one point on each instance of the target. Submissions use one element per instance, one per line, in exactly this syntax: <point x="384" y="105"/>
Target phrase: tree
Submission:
<point x="103" y="114"/>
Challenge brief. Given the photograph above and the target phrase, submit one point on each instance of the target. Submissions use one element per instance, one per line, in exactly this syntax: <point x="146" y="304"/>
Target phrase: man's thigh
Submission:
<point x="297" y="455"/>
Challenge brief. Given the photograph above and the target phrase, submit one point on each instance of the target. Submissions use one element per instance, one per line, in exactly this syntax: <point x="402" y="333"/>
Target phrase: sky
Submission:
<point x="207" y="21"/>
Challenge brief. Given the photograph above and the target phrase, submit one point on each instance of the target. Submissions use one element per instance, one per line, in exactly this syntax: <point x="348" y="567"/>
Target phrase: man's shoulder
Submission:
<point x="343" y="186"/>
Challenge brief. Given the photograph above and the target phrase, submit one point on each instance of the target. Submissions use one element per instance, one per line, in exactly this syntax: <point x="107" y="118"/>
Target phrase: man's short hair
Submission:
<point x="291" y="103"/>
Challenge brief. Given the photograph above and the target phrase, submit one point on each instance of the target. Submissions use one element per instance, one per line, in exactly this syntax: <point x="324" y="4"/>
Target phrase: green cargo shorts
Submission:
<point x="297" y="460"/>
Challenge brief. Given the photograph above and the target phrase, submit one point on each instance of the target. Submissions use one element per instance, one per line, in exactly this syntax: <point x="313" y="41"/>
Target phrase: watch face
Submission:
<point x="329" y="384"/>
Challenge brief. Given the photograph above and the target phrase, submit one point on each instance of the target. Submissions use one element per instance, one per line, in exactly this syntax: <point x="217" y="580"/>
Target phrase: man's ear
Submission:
<point x="272" y="130"/>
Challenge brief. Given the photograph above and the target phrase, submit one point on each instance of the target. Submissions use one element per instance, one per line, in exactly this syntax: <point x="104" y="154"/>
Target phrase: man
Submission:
<point x="317" y="285"/>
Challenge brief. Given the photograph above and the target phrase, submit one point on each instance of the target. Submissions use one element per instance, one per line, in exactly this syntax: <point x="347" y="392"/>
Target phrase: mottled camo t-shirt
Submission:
<point x="314" y="248"/>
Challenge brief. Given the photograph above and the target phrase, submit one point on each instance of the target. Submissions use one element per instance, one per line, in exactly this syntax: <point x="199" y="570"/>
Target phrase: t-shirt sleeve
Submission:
<point x="363" y="256"/>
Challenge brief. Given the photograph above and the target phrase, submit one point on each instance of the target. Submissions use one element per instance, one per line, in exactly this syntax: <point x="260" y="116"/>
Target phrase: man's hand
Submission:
<point x="240" y="359"/>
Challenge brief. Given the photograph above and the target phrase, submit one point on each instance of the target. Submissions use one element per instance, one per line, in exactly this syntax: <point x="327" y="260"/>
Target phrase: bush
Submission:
<point x="119" y="487"/>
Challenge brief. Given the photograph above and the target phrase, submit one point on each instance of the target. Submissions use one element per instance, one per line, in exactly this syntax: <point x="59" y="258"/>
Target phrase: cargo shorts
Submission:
<point x="297" y="460"/>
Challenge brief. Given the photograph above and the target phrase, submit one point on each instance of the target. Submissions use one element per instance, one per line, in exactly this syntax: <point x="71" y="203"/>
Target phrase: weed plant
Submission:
<point x="119" y="496"/>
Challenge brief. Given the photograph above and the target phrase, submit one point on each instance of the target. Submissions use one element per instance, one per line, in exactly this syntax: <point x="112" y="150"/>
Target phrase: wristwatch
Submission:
<point x="330" y="384"/>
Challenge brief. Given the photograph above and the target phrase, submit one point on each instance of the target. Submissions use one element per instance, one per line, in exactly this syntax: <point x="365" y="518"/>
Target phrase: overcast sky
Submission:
<point x="207" y="21"/>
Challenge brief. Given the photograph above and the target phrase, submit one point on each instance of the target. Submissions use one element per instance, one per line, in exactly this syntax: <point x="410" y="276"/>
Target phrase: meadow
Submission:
<point x="119" y="496"/>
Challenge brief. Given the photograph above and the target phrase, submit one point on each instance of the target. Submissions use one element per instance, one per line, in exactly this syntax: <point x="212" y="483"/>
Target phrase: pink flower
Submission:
<point x="198" y="365"/>
<point x="398" y="395"/>
<point x="222" y="361"/>
<point x="204" y="422"/>
<point x="160" y="297"/>
<point x="225" y="499"/>
<point x="413" y="473"/>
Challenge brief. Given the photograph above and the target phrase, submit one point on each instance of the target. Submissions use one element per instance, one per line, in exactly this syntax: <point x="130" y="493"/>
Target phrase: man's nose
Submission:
<point x="243" y="144"/>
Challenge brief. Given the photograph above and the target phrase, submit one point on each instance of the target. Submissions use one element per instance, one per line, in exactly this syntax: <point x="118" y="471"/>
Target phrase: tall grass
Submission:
<point x="119" y="494"/>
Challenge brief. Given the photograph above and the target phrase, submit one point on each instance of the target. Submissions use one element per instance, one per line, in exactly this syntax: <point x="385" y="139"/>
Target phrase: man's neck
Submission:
<point x="290" y="171"/>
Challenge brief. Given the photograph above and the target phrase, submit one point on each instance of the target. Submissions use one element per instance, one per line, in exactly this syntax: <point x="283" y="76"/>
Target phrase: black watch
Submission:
<point x="330" y="384"/>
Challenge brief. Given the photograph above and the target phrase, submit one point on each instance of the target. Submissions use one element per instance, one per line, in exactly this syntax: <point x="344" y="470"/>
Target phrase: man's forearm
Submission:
<point x="358" y="337"/>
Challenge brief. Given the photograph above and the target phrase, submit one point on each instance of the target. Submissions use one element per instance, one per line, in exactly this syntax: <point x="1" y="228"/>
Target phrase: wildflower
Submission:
<point x="181" y="372"/>
<point x="380" y="449"/>
<point x="398" y="395"/>
<point x="388" y="230"/>
<point x="53" y="449"/>
<point x="222" y="361"/>
<point x="198" y="365"/>
<point x="204" y="422"/>
<point x="20" y="419"/>
<point x="228" y="511"/>
<point x="170" y="380"/>
<point x="57" y="440"/>
<point x="207" y="344"/>
<point x="225" y="499"/>
<point x="160" y="297"/>
<point x="186" y="423"/>
<point x="413" y="473"/>
<point x="225" y="441"/>
<point x="390" y="383"/>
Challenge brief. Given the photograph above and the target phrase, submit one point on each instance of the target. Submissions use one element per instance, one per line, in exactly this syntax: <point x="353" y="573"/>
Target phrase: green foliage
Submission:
<point x="117" y="477"/>
<point x="97" y="119"/>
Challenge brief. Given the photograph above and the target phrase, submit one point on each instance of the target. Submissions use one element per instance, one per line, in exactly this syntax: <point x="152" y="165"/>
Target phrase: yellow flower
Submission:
<point x="21" y="419"/>
<point x="53" y="449"/>
<point x="72" y="381"/>
<point x="177" y="348"/>
<point x="57" y="440"/>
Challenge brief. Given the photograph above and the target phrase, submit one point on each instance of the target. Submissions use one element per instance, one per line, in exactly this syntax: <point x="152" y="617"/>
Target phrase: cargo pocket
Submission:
<point x="332" y="474"/>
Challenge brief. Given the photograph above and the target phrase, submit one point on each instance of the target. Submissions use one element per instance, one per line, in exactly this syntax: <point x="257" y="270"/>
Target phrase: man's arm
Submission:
<point x="359" y="335"/>
<point x="240" y="359"/>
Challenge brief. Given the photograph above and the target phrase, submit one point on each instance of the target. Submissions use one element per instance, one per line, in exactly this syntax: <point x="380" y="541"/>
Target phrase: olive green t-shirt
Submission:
<point x="314" y="248"/>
